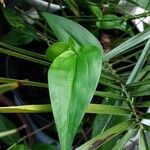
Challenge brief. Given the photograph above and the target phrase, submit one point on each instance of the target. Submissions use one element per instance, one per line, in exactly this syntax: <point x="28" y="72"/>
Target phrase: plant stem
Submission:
<point x="22" y="51"/>
<point x="24" y="82"/>
<point x="22" y="56"/>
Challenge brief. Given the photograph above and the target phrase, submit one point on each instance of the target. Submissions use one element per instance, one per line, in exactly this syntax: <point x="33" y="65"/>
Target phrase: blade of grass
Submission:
<point x="8" y="87"/>
<point x="105" y="109"/>
<point x="45" y="108"/>
<point x="21" y="56"/>
<point x="125" y="47"/>
<point x="143" y="144"/>
<point x="99" y="140"/>
<point x="140" y="63"/>
<point x="23" y="82"/>
<point x="22" y="51"/>
<point x="121" y="143"/>
<point x="143" y="104"/>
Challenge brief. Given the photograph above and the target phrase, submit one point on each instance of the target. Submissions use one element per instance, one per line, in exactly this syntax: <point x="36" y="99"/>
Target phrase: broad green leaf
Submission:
<point x="8" y="132"/>
<point x="112" y="22"/>
<point x="140" y="63"/>
<point x="99" y="140"/>
<point x="65" y="28"/>
<point x="56" y="49"/>
<point x="121" y="143"/>
<point x="125" y="47"/>
<point x="72" y="80"/>
<point x="7" y="87"/>
<point x="143" y="144"/>
<point x="105" y="109"/>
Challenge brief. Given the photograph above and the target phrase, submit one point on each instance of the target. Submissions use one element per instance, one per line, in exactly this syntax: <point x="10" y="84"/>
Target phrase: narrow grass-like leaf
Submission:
<point x="146" y="127"/>
<point x="125" y="47"/>
<point x="137" y="84"/>
<point x="105" y="109"/>
<point x="109" y="95"/>
<point x="121" y="143"/>
<point x="145" y="116"/>
<point x="8" y="132"/>
<point x="73" y="6"/>
<point x="26" y="109"/>
<point x="143" y="104"/>
<point x="64" y="28"/>
<point x="25" y="57"/>
<point x="72" y="82"/>
<point x="99" y="140"/>
<point x="23" y="51"/>
<point x="24" y="82"/>
<point x="7" y="87"/>
<point x="140" y="63"/>
<point x="143" y="144"/>
<point x="45" y="108"/>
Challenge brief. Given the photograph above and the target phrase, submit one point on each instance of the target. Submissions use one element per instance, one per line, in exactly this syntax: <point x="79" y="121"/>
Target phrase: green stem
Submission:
<point x="18" y="55"/>
<point x="22" y="51"/>
<point x="24" y="82"/>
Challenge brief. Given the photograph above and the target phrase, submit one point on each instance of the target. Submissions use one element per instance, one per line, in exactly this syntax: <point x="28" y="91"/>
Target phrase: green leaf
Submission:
<point x="20" y="147"/>
<point x="121" y="143"/>
<point x="72" y="80"/>
<point x="125" y="47"/>
<point x="96" y="10"/>
<point x="144" y="4"/>
<point x="143" y="144"/>
<point x="56" y="49"/>
<point x="7" y="87"/>
<point x="5" y="126"/>
<point x="143" y="104"/>
<point x="65" y="28"/>
<point x="40" y="146"/>
<point x="23" y="51"/>
<point x="73" y="6"/>
<point x="16" y="37"/>
<point x="25" y="57"/>
<point x="99" y="140"/>
<point x="112" y="22"/>
<point x="140" y="63"/>
<point x="26" y="109"/>
<point x="105" y="109"/>
<point x="23" y="82"/>
<point x="13" y="18"/>
<point x="146" y="127"/>
<point x="145" y="116"/>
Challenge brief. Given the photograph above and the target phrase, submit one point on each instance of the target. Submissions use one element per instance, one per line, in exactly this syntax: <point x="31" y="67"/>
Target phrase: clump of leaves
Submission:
<point x="78" y="66"/>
